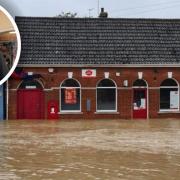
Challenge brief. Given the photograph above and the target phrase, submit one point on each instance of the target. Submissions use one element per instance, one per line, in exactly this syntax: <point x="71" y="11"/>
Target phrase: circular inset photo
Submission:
<point x="10" y="45"/>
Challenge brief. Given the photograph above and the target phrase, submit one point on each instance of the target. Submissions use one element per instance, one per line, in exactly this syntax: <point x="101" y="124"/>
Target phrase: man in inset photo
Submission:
<point x="3" y="67"/>
<point x="8" y="44"/>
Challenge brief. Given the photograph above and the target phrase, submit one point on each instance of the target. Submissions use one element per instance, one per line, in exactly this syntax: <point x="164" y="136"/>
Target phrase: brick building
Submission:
<point x="95" y="68"/>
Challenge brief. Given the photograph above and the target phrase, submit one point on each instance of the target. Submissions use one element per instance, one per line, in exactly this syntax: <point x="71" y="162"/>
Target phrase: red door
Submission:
<point x="140" y="104"/>
<point x="30" y="104"/>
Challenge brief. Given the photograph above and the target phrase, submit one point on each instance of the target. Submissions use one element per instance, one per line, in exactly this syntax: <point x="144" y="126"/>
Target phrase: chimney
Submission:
<point x="103" y="14"/>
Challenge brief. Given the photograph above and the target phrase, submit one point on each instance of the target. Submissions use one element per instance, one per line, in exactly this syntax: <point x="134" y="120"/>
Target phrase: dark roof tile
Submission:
<point x="53" y="41"/>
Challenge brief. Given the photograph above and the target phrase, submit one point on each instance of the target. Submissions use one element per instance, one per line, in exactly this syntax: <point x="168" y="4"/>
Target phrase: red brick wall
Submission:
<point x="153" y="76"/>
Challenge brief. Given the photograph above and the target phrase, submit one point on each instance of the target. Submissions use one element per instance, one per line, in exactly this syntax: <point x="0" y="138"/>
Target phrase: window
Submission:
<point x="169" y="95"/>
<point x="140" y="83"/>
<point x="106" y="95"/>
<point x="70" y="100"/>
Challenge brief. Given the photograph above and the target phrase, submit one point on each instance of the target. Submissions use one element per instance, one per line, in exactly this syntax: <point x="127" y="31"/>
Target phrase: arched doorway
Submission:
<point x="140" y="99"/>
<point x="30" y="100"/>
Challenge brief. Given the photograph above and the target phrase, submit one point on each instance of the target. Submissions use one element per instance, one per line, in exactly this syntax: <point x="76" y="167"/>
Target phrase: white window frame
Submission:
<point x="169" y="87"/>
<point x="114" y="87"/>
<point x="70" y="111"/>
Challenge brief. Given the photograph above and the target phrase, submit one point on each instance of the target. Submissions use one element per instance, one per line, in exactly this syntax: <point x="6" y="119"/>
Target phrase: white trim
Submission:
<point x="114" y="87"/>
<point x="167" y="87"/>
<point x="70" y="111"/>
<point x="106" y="112"/>
<point x="69" y="87"/>
<point x="166" y="112"/>
<point x="169" y="110"/>
<point x="139" y="87"/>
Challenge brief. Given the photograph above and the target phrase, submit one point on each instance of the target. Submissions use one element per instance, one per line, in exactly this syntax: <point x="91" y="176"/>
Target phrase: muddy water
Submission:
<point x="85" y="150"/>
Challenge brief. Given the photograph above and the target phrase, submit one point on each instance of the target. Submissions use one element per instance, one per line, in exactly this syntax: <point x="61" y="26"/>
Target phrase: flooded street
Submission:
<point x="82" y="150"/>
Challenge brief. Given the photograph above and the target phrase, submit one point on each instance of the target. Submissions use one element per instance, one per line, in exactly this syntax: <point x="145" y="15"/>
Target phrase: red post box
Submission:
<point x="53" y="109"/>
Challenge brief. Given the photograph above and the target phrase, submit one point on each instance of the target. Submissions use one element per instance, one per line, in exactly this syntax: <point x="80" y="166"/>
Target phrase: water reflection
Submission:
<point x="102" y="149"/>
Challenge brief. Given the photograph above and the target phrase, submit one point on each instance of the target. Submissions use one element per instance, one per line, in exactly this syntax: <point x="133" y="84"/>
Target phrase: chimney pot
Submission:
<point x="103" y="14"/>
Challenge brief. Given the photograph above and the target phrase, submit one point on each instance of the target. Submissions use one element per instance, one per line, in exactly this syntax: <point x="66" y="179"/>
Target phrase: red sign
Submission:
<point x="89" y="73"/>
<point x="70" y="96"/>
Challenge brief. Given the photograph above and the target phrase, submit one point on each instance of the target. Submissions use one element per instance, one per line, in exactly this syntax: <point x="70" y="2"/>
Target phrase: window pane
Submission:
<point x="169" y="82"/>
<point x="169" y="98"/>
<point x="70" y="83"/>
<point x="139" y="82"/>
<point x="139" y="95"/>
<point x="70" y="99"/>
<point x="106" y="99"/>
<point x="106" y="83"/>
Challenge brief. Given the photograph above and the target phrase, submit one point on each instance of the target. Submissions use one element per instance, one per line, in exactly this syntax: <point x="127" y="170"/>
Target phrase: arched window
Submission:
<point x="70" y="99"/>
<point x="106" y="95"/>
<point x="169" y="95"/>
<point x="140" y="83"/>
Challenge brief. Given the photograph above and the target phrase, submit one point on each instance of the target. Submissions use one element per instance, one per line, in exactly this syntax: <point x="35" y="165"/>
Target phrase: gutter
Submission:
<point x="99" y="65"/>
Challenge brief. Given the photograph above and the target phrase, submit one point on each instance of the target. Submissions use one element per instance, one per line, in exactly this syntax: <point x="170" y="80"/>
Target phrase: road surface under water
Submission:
<point x="85" y="150"/>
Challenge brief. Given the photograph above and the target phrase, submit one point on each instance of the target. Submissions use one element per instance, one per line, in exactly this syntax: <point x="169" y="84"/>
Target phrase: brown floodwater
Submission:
<point x="93" y="149"/>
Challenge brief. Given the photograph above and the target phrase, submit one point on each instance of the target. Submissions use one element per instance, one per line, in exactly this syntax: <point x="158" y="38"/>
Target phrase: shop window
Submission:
<point x="106" y="95"/>
<point x="70" y="96"/>
<point x="169" y="95"/>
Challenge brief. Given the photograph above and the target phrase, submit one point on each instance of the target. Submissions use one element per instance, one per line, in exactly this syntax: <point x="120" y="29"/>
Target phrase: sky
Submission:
<point x="86" y="8"/>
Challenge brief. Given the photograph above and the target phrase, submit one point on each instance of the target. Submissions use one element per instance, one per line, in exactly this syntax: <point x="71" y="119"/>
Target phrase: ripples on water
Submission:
<point x="103" y="149"/>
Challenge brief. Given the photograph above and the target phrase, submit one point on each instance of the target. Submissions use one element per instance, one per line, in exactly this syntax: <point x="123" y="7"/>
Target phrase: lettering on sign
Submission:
<point x="30" y="87"/>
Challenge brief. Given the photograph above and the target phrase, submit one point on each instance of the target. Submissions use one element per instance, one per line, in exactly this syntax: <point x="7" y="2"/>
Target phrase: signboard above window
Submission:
<point x="88" y="73"/>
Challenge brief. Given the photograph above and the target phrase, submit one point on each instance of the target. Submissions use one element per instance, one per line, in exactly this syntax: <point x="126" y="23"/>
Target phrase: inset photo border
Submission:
<point x="10" y="50"/>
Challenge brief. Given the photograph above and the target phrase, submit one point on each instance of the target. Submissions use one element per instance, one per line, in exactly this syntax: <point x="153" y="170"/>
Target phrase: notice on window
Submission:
<point x="174" y="99"/>
<point x="70" y="96"/>
<point x="143" y="103"/>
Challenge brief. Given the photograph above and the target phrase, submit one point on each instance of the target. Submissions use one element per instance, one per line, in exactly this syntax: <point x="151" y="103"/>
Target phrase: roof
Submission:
<point x="98" y="41"/>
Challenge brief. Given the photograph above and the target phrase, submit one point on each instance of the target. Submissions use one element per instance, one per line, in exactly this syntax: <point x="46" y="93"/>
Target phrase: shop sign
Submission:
<point x="174" y="100"/>
<point x="70" y="96"/>
<point x="89" y="73"/>
<point x="31" y="87"/>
